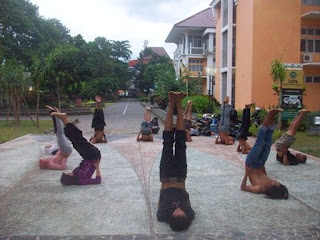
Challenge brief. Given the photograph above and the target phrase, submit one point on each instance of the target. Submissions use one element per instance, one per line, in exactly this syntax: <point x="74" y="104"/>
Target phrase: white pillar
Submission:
<point x="186" y="43"/>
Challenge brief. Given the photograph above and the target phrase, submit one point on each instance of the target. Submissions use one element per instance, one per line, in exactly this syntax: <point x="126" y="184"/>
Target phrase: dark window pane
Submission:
<point x="310" y="31"/>
<point x="308" y="79"/>
<point x="316" y="79"/>
<point x="310" y="45"/>
<point x="317" y="46"/>
<point x="303" y="31"/>
<point x="303" y="45"/>
<point x="317" y="31"/>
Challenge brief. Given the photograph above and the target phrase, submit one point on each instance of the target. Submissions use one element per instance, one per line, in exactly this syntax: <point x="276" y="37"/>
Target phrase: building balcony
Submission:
<point x="201" y="51"/>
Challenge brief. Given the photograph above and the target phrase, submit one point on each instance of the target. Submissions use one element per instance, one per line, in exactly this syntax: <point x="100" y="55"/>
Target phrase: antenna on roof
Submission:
<point x="145" y="43"/>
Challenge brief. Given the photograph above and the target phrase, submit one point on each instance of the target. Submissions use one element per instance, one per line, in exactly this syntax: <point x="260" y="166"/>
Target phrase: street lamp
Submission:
<point x="211" y="71"/>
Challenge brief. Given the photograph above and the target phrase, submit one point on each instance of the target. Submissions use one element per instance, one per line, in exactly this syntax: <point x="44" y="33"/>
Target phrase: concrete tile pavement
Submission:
<point x="34" y="205"/>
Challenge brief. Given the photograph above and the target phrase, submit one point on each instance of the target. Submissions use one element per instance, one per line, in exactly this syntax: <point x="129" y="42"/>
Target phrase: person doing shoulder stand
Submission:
<point x="174" y="205"/>
<point x="145" y="133"/>
<point x="98" y="123"/>
<point x="59" y="160"/>
<point x="283" y="144"/>
<point x="243" y="145"/>
<point x="81" y="175"/>
<point x="224" y="124"/>
<point x="255" y="163"/>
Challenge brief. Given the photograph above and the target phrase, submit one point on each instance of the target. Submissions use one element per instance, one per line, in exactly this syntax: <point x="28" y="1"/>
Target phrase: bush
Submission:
<point x="144" y="99"/>
<point x="152" y="98"/>
<point x="200" y="104"/>
<point x="254" y="130"/>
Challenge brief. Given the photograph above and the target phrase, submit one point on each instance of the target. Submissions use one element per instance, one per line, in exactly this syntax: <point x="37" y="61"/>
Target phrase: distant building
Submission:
<point x="195" y="40"/>
<point x="132" y="90"/>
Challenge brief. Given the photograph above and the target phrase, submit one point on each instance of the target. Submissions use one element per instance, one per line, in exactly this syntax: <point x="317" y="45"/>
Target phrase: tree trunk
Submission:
<point x="280" y="106"/>
<point x="38" y="103"/>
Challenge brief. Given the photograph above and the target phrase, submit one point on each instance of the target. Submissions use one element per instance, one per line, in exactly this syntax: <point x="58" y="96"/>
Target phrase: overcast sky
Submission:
<point x="133" y="20"/>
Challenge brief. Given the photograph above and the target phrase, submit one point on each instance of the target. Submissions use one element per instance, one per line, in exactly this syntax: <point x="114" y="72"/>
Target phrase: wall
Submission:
<point x="276" y="35"/>
<point x="244" y="51"/>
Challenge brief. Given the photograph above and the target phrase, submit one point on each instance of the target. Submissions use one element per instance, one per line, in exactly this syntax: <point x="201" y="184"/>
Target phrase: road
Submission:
<point x="34" y="204"/>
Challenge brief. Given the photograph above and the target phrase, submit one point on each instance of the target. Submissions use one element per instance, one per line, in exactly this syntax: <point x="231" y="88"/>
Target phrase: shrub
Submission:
<point x="254" y="130"/>
<point x="152" y="98"/>
<point x="200" y="104"/>
<point x="144" y="99"/>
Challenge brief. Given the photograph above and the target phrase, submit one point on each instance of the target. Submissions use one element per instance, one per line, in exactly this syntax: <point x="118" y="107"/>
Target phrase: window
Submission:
<point x="310" y="31"/>
<point x="195" y="65"/>
<point x="311" y="2"/>
<point x="224" y="49"/>
<point x="317" y="46"/>
<point x="196" y="41"/>
<point x="308" y="79"/>
<point x="312" y="79"/>
<point x="310" y="45"/>
<point x="303" y="45"/>
<point x="224" y="13"/>
<point x="311" y="40"/>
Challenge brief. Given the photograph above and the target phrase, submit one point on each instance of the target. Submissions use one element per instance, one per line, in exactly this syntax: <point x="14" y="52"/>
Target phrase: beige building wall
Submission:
<point x="267" y="30"/>
<point x="244" y="54"/>
<point x="276" y="35"/>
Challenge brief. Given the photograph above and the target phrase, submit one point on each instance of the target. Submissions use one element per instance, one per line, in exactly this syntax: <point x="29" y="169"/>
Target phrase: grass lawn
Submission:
<point x="307" y="143"/>
<point x="12" y="131"/>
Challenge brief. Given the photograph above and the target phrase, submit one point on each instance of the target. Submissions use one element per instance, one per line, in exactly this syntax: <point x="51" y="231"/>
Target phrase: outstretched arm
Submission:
<point x="56" y="166"/>
<point x="248" y="188"/>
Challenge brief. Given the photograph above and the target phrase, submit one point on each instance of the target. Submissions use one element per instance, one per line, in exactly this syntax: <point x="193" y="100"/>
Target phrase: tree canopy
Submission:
<point x="86" y="68"/>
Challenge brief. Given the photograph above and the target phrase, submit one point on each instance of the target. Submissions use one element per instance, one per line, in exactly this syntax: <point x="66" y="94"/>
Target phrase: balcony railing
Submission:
<point x="192" y="50"/>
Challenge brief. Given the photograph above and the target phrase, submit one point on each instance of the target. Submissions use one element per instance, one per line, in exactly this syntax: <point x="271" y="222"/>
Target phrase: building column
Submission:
<point x="229" y="59"/>
<point x="186" y="47"/>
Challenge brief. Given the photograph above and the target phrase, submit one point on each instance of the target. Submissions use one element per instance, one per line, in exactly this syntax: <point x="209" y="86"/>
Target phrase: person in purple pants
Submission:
<point x="81" y="175"/>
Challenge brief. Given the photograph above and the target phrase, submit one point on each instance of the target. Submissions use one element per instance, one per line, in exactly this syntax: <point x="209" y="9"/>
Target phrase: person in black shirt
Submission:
<point x="174" y="205"/>
<point x="98" y="123"/>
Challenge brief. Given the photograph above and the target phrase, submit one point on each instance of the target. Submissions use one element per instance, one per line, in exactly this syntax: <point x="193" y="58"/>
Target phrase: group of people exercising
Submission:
<point x="174" y="205"/>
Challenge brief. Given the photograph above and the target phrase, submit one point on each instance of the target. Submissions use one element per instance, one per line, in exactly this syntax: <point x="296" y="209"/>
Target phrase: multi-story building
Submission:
<point x="195" y="40"/>
<point x="252" y="33"/>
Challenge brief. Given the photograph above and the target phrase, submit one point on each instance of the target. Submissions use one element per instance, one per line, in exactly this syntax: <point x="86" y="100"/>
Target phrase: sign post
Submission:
<point x="292" y="93"/>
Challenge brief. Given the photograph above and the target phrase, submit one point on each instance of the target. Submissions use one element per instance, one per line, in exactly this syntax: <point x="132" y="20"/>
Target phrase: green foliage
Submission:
<point x="255" y="129"/>
<point x="200" y="104"/>
<point x="144" y="99"/>
<point x="278" y="71"/>
<point x="58" y="62"/>
<point x="149" y="65"/>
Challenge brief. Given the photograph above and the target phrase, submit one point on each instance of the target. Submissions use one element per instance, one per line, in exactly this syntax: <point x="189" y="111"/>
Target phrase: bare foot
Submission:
<point x="274" y="111"/>
<point x="249" y="105"/>
<point x="180" y="96"/>
<point x="50" y="108"/>
<point x="62" y="116"/>
<point x="303" y="111"/>
<point x="172" y="97"/>
<point x="269" y="119"/>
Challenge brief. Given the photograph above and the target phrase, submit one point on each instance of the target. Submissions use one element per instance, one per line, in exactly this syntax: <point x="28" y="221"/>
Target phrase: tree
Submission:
<point x="279" y="74"/>
<point x="43" y="70"/>
<point x="13" y="85"/>
<point x="147" y="61"/>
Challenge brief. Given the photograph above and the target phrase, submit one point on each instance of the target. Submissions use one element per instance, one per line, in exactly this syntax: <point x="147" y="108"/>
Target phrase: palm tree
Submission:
<point x="13" y="86"/>
<point x="279" y="74"/>
<point x="43" y="69"/>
